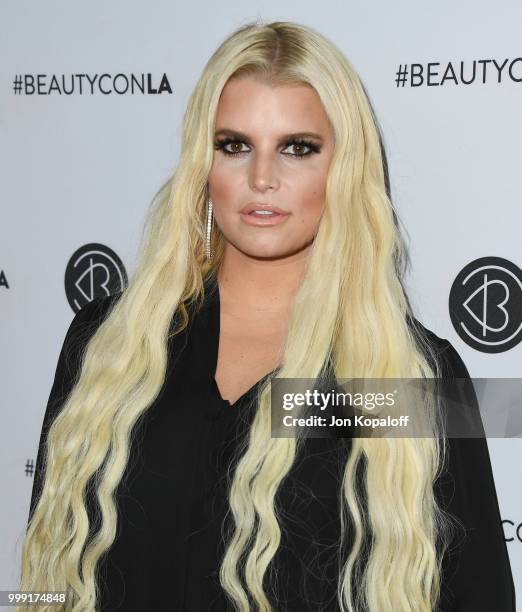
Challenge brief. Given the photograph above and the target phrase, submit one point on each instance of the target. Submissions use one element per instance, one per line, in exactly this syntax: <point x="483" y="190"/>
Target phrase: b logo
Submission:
<point x="93" y="270"/>
<point x="485" y="304"/>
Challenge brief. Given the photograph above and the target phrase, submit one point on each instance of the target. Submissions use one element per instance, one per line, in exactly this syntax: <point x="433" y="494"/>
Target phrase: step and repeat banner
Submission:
<point x="91" y="102"/>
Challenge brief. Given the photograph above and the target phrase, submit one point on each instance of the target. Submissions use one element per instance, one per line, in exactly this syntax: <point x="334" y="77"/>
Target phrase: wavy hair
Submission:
<point x="361" y="329"/>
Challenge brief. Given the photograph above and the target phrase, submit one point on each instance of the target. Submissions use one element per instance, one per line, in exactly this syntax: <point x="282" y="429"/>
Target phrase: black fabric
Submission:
<point x="172" y="501"/>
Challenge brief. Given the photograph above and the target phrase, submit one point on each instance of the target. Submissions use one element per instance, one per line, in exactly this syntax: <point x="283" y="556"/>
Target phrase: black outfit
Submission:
<point x="172" y="498"/>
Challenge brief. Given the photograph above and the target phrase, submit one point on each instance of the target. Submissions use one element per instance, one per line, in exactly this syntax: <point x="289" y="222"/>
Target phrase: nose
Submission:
<point x="263" y="172"/>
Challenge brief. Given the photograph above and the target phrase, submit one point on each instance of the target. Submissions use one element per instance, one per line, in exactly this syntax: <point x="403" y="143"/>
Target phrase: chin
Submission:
<point x="268" y="251"/>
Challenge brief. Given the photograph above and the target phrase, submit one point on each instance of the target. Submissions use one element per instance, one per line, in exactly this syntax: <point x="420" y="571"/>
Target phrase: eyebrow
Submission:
<point x="284" y="137"/>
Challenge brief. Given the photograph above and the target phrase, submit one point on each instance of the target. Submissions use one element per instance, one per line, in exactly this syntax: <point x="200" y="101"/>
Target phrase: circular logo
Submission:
<point x="485" y="304"/>
<point x="94" y="270"/>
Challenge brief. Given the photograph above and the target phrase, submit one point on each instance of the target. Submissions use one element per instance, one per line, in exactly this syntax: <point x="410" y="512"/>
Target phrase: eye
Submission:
<point x="223" y="144"/>
<point x="233" y="146"/>
<point x="300" y="145"/>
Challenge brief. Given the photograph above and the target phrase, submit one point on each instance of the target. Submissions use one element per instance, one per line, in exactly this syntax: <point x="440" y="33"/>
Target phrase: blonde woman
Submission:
<point x="273" y="249"/>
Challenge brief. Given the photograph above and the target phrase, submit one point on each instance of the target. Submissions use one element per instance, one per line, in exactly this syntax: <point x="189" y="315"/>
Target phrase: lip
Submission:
<point x="280" y="215"/>
<point x="260" y="206"/>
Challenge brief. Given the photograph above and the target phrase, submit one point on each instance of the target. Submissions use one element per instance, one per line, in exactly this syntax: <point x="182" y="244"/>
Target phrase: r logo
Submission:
<point x="93" y="270"/>
<point x="485" y="304"/>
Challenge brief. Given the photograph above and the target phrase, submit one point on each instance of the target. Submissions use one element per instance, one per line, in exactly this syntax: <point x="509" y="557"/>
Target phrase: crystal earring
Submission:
<point x="208" y="252"/>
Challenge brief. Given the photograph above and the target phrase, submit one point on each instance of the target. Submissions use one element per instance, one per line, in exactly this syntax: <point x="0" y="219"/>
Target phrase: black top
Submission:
<point x="172" y="499"/>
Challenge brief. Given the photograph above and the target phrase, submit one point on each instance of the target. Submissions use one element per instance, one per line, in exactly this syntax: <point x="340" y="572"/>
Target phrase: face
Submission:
<point x="273" y="148"/>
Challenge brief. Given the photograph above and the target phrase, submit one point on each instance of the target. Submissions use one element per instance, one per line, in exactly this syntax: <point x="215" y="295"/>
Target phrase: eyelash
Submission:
<point x="221" y="144"/>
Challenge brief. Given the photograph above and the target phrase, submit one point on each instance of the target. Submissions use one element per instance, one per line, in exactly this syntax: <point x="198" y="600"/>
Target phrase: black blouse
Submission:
<point x="172" y="500"/>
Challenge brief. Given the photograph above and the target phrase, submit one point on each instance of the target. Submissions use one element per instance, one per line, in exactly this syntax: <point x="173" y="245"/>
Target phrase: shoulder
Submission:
<point x="94" y="312"/>
<point x="98" y="307"/>
<point x="451" y="362"/>
<point x="82" y="327"/>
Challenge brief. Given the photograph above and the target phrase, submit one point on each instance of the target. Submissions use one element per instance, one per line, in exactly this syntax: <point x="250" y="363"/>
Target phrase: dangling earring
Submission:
<point x="208" y="252"/>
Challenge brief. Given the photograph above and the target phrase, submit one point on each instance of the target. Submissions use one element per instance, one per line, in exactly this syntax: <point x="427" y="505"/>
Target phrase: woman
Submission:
<point x="273" y="250"/>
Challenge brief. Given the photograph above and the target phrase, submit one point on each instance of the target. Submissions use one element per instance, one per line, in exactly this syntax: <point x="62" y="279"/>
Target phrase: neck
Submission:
<point x="259" y="286"/>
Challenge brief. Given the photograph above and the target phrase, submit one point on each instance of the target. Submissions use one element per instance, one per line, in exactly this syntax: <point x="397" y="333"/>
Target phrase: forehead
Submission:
<point x="248" y="104"/>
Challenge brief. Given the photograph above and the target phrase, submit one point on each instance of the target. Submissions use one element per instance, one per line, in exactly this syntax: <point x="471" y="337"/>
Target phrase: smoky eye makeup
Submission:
<point x="303" y="147"/>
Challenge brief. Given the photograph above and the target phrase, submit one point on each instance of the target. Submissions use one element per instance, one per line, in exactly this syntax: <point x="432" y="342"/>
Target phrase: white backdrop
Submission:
<point x="82" y="168"/>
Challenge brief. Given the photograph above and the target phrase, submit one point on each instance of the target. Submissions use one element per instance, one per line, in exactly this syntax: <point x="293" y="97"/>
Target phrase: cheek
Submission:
<point x="222" y="182"/>
<point x="310" y="198"/>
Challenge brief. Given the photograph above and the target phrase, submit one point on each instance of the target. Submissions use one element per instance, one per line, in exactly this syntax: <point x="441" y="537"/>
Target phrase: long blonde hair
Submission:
<point x="361" y="328"/>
